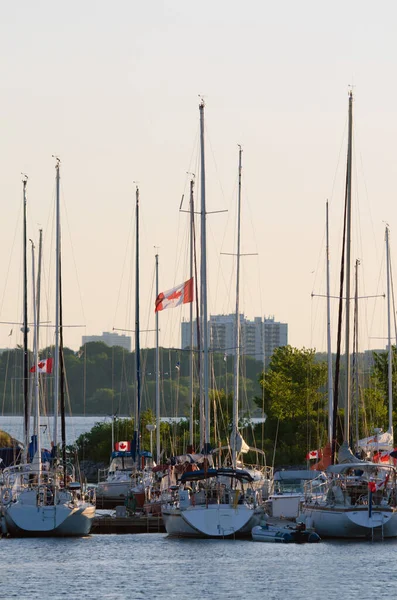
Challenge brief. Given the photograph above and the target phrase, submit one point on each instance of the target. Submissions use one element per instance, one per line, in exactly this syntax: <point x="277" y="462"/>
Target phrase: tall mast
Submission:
<point x="329" y="350"/>
<point x="204" y="396"/>
<point x="237" y="325"/>
<point x="157" y="369"/>
<point x="62" y="376"/>
<point x="136" y="448"/>
<point x="25" y="324"/>
<point x="389" y="346"/>
<point x="348" y="269"/>
<point x="57" y="258"/>
<point x="355" y="347"/>
<point x="191" y="360"/>
<point x="36" y="372"/>
<point x="38" y="299"/>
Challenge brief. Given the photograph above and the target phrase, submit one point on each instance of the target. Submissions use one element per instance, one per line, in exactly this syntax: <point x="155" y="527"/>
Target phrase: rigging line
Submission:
<point x="72" y="250"/>
<point x="5" y="283"/>
<point x="374" y="236"/>
<point x="393" y="298"/>
<point x="126" y="253"/>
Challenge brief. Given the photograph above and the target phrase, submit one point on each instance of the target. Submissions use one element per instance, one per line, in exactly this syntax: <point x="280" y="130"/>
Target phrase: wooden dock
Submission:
<point x="136" y="524"/>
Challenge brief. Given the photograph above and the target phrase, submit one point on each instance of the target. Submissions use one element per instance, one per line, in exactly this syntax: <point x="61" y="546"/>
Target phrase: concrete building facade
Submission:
<point x="259" y="337"/>
<point x="110" y="339"/>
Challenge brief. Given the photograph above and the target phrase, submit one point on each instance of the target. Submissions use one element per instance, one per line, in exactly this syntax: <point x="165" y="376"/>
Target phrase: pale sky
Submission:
<point x="112" y="89"/>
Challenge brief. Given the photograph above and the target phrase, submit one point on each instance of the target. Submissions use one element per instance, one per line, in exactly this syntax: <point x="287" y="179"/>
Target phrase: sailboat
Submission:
<point x="359" y="499"/>
<point x="40" y="500"/>
<point x="225" y="501"/>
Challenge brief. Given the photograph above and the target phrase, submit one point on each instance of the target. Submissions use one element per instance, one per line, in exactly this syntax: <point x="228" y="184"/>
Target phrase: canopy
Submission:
<point x="240" y="474"/>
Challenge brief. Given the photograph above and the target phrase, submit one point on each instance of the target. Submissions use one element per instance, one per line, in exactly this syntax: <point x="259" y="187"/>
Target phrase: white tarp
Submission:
<point x="380" y="441"/>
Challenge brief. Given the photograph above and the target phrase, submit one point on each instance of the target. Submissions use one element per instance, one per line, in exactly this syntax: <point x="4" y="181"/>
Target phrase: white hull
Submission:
<point x="351" y="522"/>
<point x="214" y="520"/>
<point x="24" y="520"/>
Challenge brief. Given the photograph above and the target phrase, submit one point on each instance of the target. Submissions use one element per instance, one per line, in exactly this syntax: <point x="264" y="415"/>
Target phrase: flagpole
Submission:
<point x="157" y="370"/>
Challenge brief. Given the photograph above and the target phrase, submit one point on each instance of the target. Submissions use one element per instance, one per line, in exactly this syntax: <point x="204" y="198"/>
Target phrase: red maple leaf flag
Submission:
<point x="312" y="455"/>
<point x="181" y="294"/>
<point x="122" y="446"/>
<point x="44" y="366"/>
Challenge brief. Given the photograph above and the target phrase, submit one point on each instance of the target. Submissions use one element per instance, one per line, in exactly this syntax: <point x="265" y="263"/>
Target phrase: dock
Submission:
<point x="103" y="524"/>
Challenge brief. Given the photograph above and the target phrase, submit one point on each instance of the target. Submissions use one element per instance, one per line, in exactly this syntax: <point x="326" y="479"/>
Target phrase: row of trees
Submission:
<point x="292" y="395"/>
<point x="100" y="380"/>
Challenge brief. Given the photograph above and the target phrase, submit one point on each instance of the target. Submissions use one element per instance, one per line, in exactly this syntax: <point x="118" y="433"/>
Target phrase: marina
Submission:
<point x="198" y="324"/>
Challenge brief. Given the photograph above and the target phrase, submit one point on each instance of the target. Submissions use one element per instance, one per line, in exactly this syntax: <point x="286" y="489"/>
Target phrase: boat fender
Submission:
<point x="6" y="496"/>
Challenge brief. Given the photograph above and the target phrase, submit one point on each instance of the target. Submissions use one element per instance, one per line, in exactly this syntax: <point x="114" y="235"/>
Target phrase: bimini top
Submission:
<point x="240" y="474"/>
<point x="357" y="466"/>
<point x="295" y="474"/>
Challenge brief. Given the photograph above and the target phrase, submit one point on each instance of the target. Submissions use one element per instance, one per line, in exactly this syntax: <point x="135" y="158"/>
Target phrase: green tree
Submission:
<point x="293" y="400"/>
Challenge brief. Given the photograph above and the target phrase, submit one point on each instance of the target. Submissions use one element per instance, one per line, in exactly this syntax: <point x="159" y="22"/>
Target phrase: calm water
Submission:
<point x="75" y="426"/>
<point x="153" y="566"/>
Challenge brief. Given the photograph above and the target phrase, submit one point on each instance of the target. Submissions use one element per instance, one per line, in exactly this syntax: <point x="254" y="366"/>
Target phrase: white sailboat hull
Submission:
<point x="351" y="522"/>
<point x="61" y="520"/>
<point x="214" y="520"/>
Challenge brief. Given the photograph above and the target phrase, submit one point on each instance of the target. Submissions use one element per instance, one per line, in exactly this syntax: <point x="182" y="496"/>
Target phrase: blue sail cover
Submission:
<point x="45" y="454"/>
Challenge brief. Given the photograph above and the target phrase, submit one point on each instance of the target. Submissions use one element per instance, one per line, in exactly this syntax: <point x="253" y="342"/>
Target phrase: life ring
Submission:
<point x="6" y="496"/>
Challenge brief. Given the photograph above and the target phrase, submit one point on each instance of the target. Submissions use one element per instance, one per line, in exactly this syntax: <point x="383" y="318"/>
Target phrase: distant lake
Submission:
<point x="75" y="426"/>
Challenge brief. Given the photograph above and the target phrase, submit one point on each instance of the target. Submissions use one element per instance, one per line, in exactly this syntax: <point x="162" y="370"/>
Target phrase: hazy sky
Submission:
<point x="112" y="89"/>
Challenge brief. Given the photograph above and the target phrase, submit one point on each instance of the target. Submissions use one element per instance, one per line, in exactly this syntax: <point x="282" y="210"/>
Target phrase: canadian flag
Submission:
<point x="312" y="455"/>
<point x="44" y="366"/>
<point x="122" y="446"/>
<point x="181" y="294"/>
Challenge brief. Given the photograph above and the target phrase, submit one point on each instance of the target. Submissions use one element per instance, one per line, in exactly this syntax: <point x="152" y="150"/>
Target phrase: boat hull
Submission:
<point x="49" y="521"/>
<point x="351" y="523"/>
<point x="212" y="521"/>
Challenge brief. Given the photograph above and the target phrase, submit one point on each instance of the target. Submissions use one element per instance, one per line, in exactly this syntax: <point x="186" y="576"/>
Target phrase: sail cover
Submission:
<point x="241" y="445"/>
<point x="345" y="455"/>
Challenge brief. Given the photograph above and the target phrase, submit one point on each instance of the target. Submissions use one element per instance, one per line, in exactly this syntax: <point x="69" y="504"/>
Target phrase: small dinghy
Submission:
<point x="297" y="534"/>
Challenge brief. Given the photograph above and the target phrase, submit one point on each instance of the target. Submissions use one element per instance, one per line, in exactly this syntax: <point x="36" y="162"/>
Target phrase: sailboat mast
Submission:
<point x="355" y="348"/>
<point x="329" y="349"/>
<point x="136" y="448"/>
<point x="237" y="323"/>
<point x="57" y="257"/>
<point x="157" y="369"/>
<point x="348" y="270"/>
<point x="36" y="371"/>
<point x="205" y="408"/>
<point x="191" y="363"/>
<point x="389" y="346"/>
<point x="62" y="376"/>
<point x="25" y="323"/>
